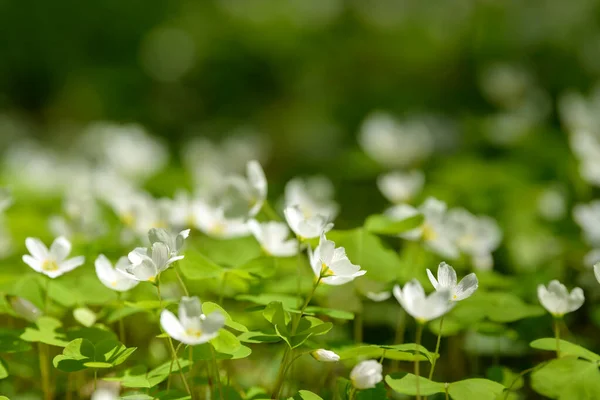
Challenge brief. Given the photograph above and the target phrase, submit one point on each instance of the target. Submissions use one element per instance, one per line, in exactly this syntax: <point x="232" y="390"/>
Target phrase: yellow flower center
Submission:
<point x="160" y="224"/>
<point x="325" y="271"/>
<point x="454" y="297"/>
<point x="193" y="332"/>
<point x="113" y="284"/>
<point x="217" y="229"/>
<point x="191" y="220"/>
<point x="49" y="265"/>
<point x="128" y="219"/>
<point x="429" y="233"/>
<point x="152" y="279"/>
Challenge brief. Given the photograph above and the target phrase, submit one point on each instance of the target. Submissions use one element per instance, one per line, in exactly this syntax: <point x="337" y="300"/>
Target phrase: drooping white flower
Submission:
<point x="597" y="271"/>
<point x="447" y="280"/>
<point x="421" y="307"/>
<point x="434" y="231"/>
<point x="252" y="189"/>
<point x="52" y="263"/>
<point x="173" y="242"/>
<point x="212" y="221"/>
<point x="306" y="227"/>
<point x="192" y="327"/>
<point x="314" y="196"/>
<point x="114" y="278"/>
<point x="273" y="238"/>
<point x="147" y="264"/>
<point x="325" y="355"/>
<point x="366" y="374"/>
<point x="399" y="187"/>
<point x="331" y="264"/>
<point x="557" y="300"/>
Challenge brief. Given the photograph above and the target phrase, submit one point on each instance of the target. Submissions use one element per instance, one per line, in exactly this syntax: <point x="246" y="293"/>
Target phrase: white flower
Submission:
<point x="52" y="263"/>
<point x="587" y="216"/>
<point x="434" y="231"/>
<point x="597" y="271"/>
<point x="378" y="296"/>
<point x="114" y="278"/>
<point x="105" y="394"/>
<point x="173" y="242"/>
<point x="273" y="238"/>
<point x="423" y="308"/>
<point x="211" y="220"/>
<point x="447" y="280"/>
<point x="147" y="266"/>
<point x="366" y="374"/>
<point x="252" y="188"/>
<point x="182" y="211"/>
<point x="399" y="186"/>
<point x="332" y="265"/>
<point x="306" y="227"/>
<point x="325" y="355"/>
<point x="557" y="300"/>
<point x="192" y="327"/>
<point x="314" y="196"/>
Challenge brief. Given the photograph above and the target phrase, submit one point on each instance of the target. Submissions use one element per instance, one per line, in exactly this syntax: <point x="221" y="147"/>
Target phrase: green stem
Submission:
<point x="299" y="269"/>
<point x="222" y="288"/>
<point x="556" y="322"/>
<point x="192" y="364"/>
<point x="47" y="298"/>
<point x="95" y="379"/>
<point x="437" y="349"/>
<point x="295" y="323"/>
<point x="521" y="375"/>
<point x="446" y="391"/>
<point x="352" y="393"/>
<point x="399" y="338"/>
<point x="218" y="374"/>
<point x="270" y="212"/>
<point x="121" y="324"/>
<point x="180" y="279"/>
<point x="44" y="372"/>
<point x="417" y="361"/>
<point x="174" y="352"/>
<point x="382" y="356"/>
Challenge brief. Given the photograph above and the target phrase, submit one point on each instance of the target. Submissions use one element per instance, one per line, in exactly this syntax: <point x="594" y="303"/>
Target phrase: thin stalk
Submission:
<point x="222" y="288"/>
<point x="270" y="212"/>
<point x="95" y="379"/>
<point x="44" y="371"/>
<point x="417" y="361"/>
<point x="69" y="387"/>
<point x="352" y="393"/>
<point x="209" y="377"/>
<point x="181" y="281"/>
<point x="192" y="365"/>
<point x="47" y="298"/>
<point x="437" y="349"/>
<point x="446" y="391"/>
<point x="382" y="356"/>
<point x="556" y="323"/>
<point x="521" y="375"/>
<point x="121" y="324"/>
<point x="299" y="269"/>
<point x="218" y="374"/>
<point x="187" y="388"/>
<point x="399" y="338"/>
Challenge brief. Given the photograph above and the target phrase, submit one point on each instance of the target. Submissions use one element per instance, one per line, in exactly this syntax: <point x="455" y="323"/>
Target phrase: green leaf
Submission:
<point x="481" y="389"/>
<point x="209" y="308"/>
<point x="259" y="337"/>
<point x="288" y="302"/>
<point x="12" y="344"/>
<point x="172" y="394"/>
<point x="566" y="348"/>
<point x="411" y="347"/>
<point x="383" y="225"/>
<point x="97" y="364"/>
<point x="203" y="352"/>
<point x="306" y="395"/>
<point x="139" y="377"/>
<point x="376" y="352"/>
<point x="84" y="316"/>
<point x="81" y="353"/>
<point x="337" y="314"/>
<point x="567" y="378"/>
<point x="46" y="332"/>
<point x="261" y="267"/>
<point x="226" y="342"/>
<point x="279" y="318"/>
<point x="506" y="307"/>
<point x="3" y="370"/>
<point x="408" y="385"/>
<point x="229" y="252"/>
<point x="196" y="266"/>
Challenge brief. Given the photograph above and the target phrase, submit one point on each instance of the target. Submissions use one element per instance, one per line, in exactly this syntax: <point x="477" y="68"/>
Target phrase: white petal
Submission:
<point x="160" y="255"/>
<point x="60" y="249"/>
<point x="378" y="296"/>
<point x="105" y="271"/>
<point x="171" y="325"/>
<point x="432" y="279"/>
<point x="36" y="248"/>
<point x="576" y="299"/>
<point x="597" y="271"/>
<point x="446" y="276"/>
<point x="213" y="322"/>
<point x="33" y="262"/>
<point x="467" y="286"/>
<point x="71" y="264"/>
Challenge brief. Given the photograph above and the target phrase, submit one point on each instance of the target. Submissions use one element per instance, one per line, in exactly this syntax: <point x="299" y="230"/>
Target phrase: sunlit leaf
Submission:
<point x="566" y="348"/>
<point x="383" y="225"/>
<point x="46" y="332"/>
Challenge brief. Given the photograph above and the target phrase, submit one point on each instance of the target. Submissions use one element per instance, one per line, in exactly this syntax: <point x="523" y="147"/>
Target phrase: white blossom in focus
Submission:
<point x="114" y="278"/>
<point x="447" y="280"/>
<point x="325" y="355"/>
<point x="51" y="262"/>
<point x="192" y="326"/>
<point x="557" y="300"/>
<point x="331" y="264"/>
<point x="421" y="307"/>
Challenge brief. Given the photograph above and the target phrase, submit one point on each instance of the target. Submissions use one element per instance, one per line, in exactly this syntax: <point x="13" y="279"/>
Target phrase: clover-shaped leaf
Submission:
<point x="46" y="332"/>
<point x="140" y="377"/>
<point x="81" y="353"/>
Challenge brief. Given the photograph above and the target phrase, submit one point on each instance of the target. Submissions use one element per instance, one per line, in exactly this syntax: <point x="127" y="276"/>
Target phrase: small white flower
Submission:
<point x="378" y="296"/>
<point x="314" y="196"/>
<point x="423" y="308"/>
<point x="399" y="186"/>
<point x="447" y="280"/>
<point x="147" y="266"/>
<point x="211" y="220"/>
<point x="557" y="300"/>
<point x="366" y="374"/>
<point x="597" y="271"/>
<point x="114" y="278"/>
<point x="105" y="394"/>
<point x="332" y="265"/>
<point x="52" y="263"/>
<point x="173" y="242"/>
<point x="325" y="355"/>
<point x="192" y="327"/>
<point x="252" y="188"/>
<point x="306" y="227"/>
<point x="273" y="238"/>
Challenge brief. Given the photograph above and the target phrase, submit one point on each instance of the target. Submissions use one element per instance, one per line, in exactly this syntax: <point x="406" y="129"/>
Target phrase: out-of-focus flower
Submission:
<point x="211" y="220"/>
<point x="114" y="278"/>
<point x="273" y="238"/>
<point x="139" y="212"/>
<point x="552" y="204"/>
<point x="192" y="327"/>
<point x="400" y="187"/>
<point x="325" y="355"/>
<point x="52" y="263"/>
<point x="476" y="236"/>
<point x="147" y="264"/>
<point x="394" y="143"/>
<point x="378" y="296"/>
<point x="434" y="231"/>
<point x="182" y="210"/>
<point x="306" y="227"/>
<point x="314" y="196"/>
<point x="366" y="374"/>
<point x="587" y="216"/>
<point x="250" y="190"/>
<point x="105" y="394"/>
<point x="423" y="308"/>
<point x="447" y="280"/>
<point x="597" y="271"/>
<point x="24" y="308"/>
<point x="332" y="265"/>
<point x="81" y="216"/>
<point x="557" y="300"/>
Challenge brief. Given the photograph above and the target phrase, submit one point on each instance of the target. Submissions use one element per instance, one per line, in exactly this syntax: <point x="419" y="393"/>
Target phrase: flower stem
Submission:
<point x="180" y="279"/>
<point x="352" y="393"/>
<point x="222" y="288"/>
<point x="47" y="298"/>
<point x="214" y="357"/>
<point x="295" y="323"/>
<point x="270" y="212"/>
<point x="44" y="371"/>
<point x="437" y="349"/>
<point x="95" y="379"/>
<point x="174" y="352"/>
<point x="556" y="325"/>
<point x="121" y="324"/>
<point x="399" y="338"/>
<point x="417" y="353"/>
